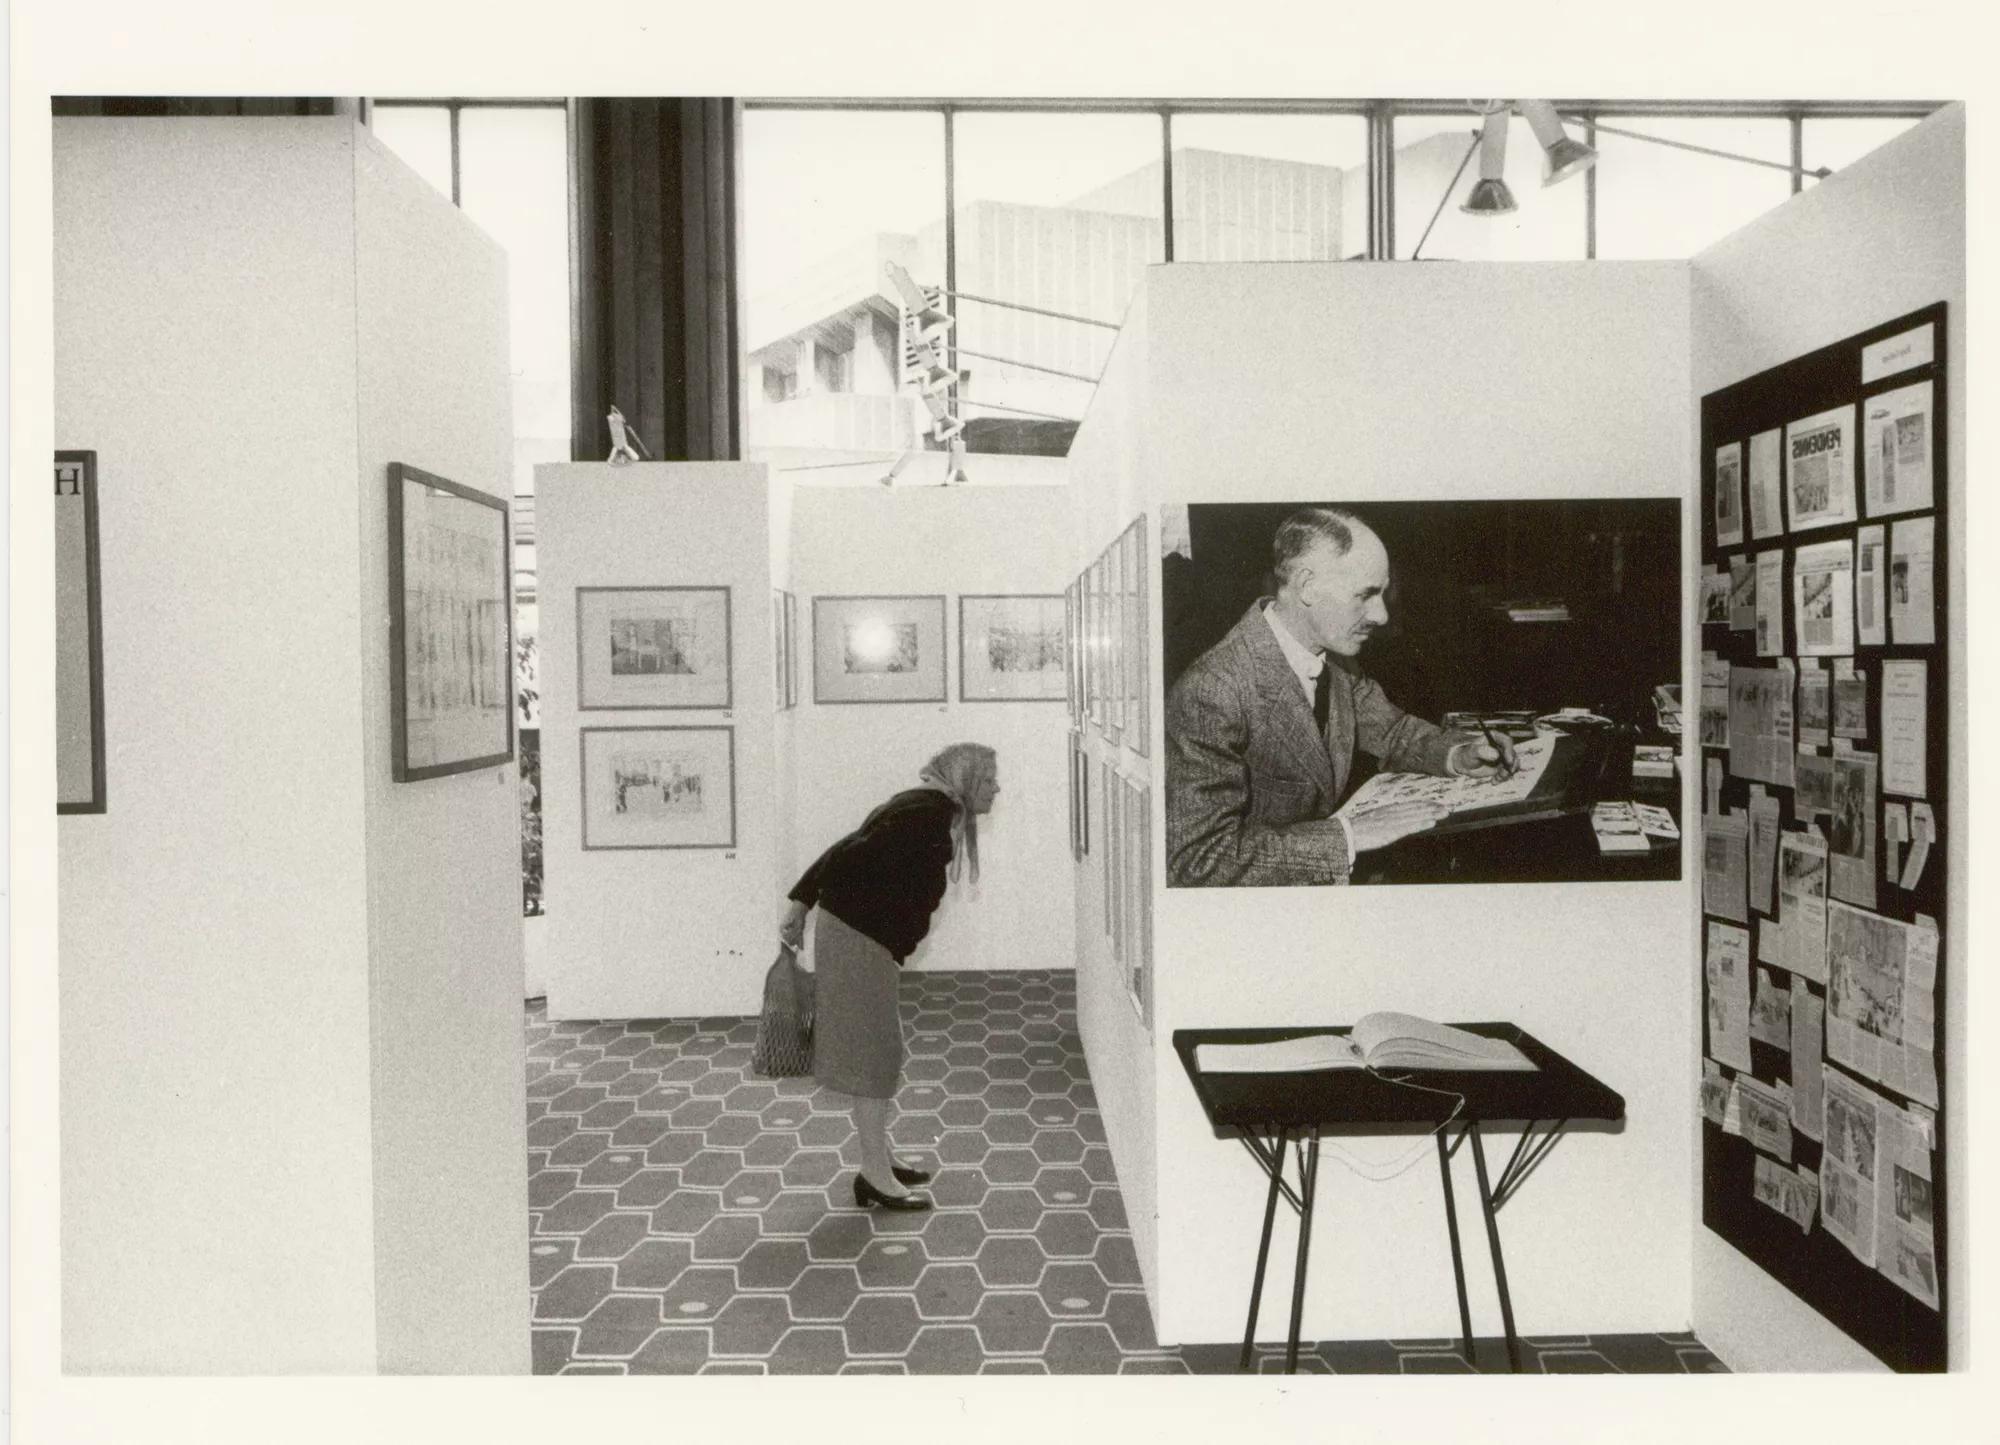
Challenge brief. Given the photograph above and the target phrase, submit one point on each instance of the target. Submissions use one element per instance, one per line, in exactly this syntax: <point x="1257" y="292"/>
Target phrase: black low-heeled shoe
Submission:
<point x="866" y="1194"/>
<point x="906" y="1175"/>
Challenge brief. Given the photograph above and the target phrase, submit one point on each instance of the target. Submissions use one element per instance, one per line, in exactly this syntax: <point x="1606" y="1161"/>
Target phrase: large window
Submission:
<point x="1434" y="152"/>
<point x="1661" y="202"/>
<point x="1269" y="187"/>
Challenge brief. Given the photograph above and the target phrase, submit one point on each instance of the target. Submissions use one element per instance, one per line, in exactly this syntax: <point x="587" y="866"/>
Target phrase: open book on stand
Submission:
<point x="1379" y="1041"/>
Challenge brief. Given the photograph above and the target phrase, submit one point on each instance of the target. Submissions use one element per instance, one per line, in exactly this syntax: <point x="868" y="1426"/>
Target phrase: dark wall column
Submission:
<point x="654" y="235"/>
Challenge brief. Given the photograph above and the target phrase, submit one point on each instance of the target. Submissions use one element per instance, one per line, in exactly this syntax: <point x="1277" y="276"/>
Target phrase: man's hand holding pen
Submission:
<point x="1489" y="756"/>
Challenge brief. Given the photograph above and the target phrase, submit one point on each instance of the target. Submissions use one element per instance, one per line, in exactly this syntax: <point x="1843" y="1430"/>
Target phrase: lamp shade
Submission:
<point x="1562" y="157"/>
<point x="1489" y="195"/>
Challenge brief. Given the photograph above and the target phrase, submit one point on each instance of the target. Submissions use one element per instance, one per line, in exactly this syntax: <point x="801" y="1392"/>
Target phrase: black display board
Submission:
<point x="1888" y="1320"/>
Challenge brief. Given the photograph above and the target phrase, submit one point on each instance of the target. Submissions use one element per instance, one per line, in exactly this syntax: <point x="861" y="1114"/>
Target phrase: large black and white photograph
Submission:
<point x="1413" y="692"/>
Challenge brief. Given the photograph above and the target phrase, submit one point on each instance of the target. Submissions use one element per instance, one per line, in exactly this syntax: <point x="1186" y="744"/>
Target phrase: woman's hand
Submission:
<point x="792" y="927"/>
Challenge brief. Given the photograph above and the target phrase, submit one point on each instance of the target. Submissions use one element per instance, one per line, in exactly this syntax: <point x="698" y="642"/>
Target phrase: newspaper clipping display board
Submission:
<point x="1824" y="710"/>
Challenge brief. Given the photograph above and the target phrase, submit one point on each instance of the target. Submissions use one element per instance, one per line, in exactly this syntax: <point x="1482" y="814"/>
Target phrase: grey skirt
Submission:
<point x="857" y="1030"/>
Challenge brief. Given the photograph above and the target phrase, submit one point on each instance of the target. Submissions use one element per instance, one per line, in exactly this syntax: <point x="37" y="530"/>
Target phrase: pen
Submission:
<point x="1500" y="752"/>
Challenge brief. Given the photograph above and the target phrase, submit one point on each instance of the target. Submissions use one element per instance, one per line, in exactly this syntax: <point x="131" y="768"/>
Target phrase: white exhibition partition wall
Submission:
<point x="848" y="757"/>
<point x="1880" y="238"/>
<point x="292" y="1082"/>
<point x="1407" y="382"/>
<point x="651" y="932"/>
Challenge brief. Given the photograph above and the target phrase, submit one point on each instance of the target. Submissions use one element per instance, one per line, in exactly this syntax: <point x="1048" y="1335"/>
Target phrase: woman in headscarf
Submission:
<point x="876" y="890"/>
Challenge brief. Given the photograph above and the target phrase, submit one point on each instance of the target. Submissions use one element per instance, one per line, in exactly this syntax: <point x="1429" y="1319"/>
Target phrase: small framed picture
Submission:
<point x="1114" y="641"/>
<point x="451" y="627"/>
<point x="1010" y="648"/>
<point x="878" y="649"/>
<point x="780" y="644"/>
<point x="791" y="650"/>
<point x="79" y="638"/>
<point x="658" y="787"/>
<point x="1138" y="651"/>
<point x="652" y="647"/>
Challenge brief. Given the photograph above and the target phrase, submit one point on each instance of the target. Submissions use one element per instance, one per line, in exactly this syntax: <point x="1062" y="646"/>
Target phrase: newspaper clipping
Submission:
<point x="1906" y="1249"/>
<point x="1820" y="453"/>
<point x="1771" y="602"/>
<point x="1871" y="596"/>
<point x="1725" y="886"/>
<point x="1808" y="1043"/>
<point x="1823" y="598"/>
<point x="1881" y="1010"/>
<point x="1767" y="509"/>
<point x="1848" y="1164"/>
<point x="1771" y="1011"/>
<point x="1766" y="1116"/>
<point x="1852" y="839"/>
<point x="1802" y="903"/>
<point x="1896" y="442"/>
<point x="1912" y="602"/>
<point x="1761" y="743"/>
<point x="1729" y="495"/>
<point x="1728" y="969"/>
<point x="1793" y="1192"/>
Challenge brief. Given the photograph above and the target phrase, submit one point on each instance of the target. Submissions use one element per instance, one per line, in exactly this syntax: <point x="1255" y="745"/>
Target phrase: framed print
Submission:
<point x="1114" y="649"/>
<point x="1069" y="650"/>
<point x="1092" y="671"/>
<point x="79" y="638"/>
<point x="451" y="627"/>
<point x="652" y="647"/>
<point x="1010" y="649"/>
<point x="878" y="649"/>
<point x="780" y="646"/>
<point x="791" y="650"/>
<point x="658" y="787"/>
<point x="1138" y="651"/>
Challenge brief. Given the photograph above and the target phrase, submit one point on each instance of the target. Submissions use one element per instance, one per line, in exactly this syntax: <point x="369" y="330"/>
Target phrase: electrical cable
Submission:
<point x="1403" y="1164"/>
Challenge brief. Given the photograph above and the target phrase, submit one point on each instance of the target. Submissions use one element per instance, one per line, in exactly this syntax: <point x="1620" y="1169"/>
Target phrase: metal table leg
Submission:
<point x="1308" y="1189"/>
<point x="1275" y="1166"/>
<point x="1457" y="1257"/>
<point x="1493" y="1242"/>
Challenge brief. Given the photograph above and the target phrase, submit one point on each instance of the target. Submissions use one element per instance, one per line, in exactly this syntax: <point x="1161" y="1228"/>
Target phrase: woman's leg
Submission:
<point x="871" y="1125"/>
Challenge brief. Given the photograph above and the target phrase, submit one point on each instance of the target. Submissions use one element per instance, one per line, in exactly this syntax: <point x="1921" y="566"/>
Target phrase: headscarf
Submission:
<point x="957" y="772"/>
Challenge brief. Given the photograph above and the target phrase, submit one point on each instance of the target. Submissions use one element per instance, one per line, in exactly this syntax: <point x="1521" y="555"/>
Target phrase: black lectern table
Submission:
<point x="1268" y="1112"/>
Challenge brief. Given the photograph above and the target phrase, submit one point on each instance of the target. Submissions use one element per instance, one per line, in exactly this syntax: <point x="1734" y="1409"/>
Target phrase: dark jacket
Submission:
<point x="886" y="877"/>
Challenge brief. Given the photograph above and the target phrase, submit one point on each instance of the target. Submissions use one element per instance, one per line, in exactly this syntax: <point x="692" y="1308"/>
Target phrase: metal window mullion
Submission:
<point x="1798" y="152"/>
<point x="1381" y="165"/>
<point x="452" y="110"/>
<point x="1590" y="193"/>
<point x="1167" y="184"/>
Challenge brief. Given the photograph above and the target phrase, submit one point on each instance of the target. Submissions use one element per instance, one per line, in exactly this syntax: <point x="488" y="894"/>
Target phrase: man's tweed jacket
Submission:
<point x="1251" y="785"/>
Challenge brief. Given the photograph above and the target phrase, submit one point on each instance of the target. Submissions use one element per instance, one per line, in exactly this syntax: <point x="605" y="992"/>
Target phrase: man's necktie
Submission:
<point x="1322" y="696"/>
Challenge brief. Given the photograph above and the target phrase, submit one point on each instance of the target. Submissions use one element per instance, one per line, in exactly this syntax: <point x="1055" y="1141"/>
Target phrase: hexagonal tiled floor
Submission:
<point x="689" y="1217"/>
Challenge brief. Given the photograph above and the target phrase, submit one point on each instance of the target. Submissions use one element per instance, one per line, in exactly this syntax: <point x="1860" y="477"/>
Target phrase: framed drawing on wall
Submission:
<point x="652" y="647"/>
<point x="1010" y="649"/>
<point x="79" y="638"/>
<point x="1138" y="715"/>
<point x="878" y="649"/>
<point x="451" y="626"/>
<point x="791" y="650"/>
<point x="780" y="644"/>
<point x="1114" y="643"/>
<point x="658" y="787"/>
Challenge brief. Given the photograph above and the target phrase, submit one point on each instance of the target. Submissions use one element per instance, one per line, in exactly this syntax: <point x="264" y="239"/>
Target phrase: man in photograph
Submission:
<point x="1262" y="728"/>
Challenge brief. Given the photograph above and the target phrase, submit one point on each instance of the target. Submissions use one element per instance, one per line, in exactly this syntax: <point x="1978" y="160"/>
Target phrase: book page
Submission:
<point x="1395" y="1039"/>
<point x="1279" y="1056"/>
<point x="1457" y="795"/>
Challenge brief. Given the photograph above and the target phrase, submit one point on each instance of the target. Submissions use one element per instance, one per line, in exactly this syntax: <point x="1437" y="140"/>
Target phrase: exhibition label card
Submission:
<point x="1896" y="438"/>
<point x="1767" y="508"/>
<point x="1802" y="903"/>
<point x="1905" y="727"/>
<point x="1725" y="869"/>
<point x="1850" y="700"/>
<point x="1912" y="602"/>
<point x="1728" y="970"/>
<point x="1901" y="352"/>
<point x="1808" y="1041"/>
<point x="1823" y="598"/>
<point x="1819" y="452"/>
<point x="1871" y="597"/>
<point x="1729" y="495"/>
<point x="1770" y="586"/>
<point x="1851" y="842"/>
<point x="1742" y="594"/>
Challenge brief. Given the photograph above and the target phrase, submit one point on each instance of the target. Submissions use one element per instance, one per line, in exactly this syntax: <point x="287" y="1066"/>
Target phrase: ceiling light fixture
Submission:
<point x="1489" y="195"/>
<point x="1562" y="155"/>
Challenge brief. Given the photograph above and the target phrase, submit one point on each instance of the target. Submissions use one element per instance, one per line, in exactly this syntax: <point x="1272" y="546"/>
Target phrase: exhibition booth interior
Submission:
<point x="1610" y="493"/>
